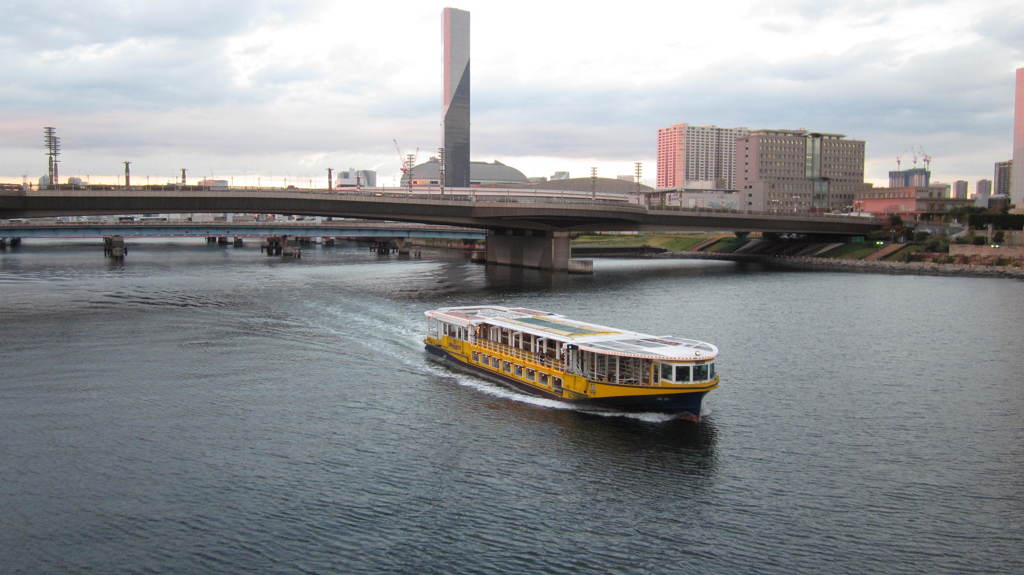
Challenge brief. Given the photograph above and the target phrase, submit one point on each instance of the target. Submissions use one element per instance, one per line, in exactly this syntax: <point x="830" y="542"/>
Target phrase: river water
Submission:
<point x="200" y="409"/>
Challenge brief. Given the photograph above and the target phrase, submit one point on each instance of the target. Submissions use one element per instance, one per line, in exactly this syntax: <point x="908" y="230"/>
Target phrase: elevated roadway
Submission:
<point x="525" y="227"/>
<point x="350" y="229"/>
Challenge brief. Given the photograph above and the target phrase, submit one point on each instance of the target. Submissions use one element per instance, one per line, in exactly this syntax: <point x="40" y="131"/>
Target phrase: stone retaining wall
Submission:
<point x="923" y="268"/>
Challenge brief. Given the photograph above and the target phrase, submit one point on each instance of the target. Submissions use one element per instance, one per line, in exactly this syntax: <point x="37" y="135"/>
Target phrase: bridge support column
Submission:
<point x="114" y="247"/>
<point x="529" y="249"/>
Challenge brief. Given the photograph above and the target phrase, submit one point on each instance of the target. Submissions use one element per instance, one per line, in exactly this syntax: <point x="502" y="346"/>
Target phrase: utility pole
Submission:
<point x="593" y="183"/>
<point x="410" y="160"/>
<point x="638" y="170"/>
<point x="53" y="153"/>
<point x="441" y="168"/>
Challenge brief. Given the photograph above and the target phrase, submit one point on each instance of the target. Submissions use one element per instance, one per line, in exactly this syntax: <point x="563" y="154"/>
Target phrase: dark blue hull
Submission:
<point x="686" y="405"/>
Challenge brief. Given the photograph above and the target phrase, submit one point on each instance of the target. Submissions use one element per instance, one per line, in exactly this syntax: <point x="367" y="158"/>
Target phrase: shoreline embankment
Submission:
<point x="833" y="264"/>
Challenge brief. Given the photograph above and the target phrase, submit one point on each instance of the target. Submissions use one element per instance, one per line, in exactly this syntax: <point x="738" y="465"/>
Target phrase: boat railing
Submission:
<point x="521" y="354"/>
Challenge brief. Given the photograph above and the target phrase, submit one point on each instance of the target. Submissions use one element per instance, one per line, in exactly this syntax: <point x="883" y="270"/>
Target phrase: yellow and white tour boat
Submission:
<point x="552" y="356"/>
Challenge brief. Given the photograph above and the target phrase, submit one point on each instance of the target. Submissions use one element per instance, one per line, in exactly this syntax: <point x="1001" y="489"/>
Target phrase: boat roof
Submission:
<point x="588" y="336"/>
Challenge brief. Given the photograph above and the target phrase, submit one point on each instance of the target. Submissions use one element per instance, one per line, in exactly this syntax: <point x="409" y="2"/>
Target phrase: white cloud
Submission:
<point x="284" y="87"/>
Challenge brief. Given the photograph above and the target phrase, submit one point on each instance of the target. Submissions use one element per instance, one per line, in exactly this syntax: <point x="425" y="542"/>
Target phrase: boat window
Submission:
<point x="543" y="379"/>
<point x="531" y="374"/>
<point x="682" y="373"/>
<point x="700" y="372"/>
<point x="519" y="371"/>
<point x="712" y="367"/>
<point x="557" y="381"/>
<point x="507" y="366"/>
<point x="494" y="362"/>
<point x="476" y="356"/>
<point x="666" y="372"/>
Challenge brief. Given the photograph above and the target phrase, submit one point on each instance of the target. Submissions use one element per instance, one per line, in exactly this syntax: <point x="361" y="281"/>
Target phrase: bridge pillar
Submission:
<point x="114" y="247"/>
<point x="529" y="249"/>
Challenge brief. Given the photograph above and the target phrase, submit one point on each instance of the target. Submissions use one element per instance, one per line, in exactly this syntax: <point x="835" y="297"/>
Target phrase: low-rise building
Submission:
<point x="694" y="199"/>
<point x="481" y="174"/>
<point x="912" y="203"/>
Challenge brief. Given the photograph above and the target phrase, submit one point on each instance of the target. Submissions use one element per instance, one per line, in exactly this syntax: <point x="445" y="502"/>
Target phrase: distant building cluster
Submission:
<point x="774" y="170"/>
<point x="808" y="171"/>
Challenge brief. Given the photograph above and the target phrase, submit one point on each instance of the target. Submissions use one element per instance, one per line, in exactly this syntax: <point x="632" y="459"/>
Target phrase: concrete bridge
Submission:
<point x="527" y="228"/>
<point x="348" y="229"/>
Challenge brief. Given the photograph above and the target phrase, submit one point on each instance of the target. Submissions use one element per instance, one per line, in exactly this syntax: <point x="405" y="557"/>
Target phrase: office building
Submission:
<point x="456" y="98"/>
<point x="697" y="156"/>
<point x="798" y="171"/>
<point x="982" y="191"/>
<point x="351" y="178"/>
<point x="960" y="189"/>
<point x="1003" y="176"/>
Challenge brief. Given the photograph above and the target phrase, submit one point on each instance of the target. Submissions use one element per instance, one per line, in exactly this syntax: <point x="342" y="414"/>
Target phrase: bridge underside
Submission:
<point x="529" y="248"/>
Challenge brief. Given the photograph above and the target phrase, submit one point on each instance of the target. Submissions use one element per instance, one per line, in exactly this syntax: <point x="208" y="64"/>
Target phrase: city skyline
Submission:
<point x="268" y="88"/>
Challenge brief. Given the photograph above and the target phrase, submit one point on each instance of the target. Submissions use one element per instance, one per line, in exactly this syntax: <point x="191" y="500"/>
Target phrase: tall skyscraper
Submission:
<point x="698" y="156"/>
<point x="960" y="189"/>
<point x="456" y="98"/>
<point x="798" y="171"/>
<point x="1017" y="184"/>
<point x="1003" y="177"/>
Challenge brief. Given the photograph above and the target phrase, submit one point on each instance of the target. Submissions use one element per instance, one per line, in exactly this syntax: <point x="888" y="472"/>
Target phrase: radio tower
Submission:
<point x="52" y="141"/>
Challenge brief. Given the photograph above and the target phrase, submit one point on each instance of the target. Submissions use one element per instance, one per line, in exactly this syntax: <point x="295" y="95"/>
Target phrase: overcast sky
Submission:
<point x="271" y="89"/>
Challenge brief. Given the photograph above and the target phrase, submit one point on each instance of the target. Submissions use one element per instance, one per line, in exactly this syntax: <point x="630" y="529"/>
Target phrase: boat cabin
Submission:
<point x="597" y="353"/>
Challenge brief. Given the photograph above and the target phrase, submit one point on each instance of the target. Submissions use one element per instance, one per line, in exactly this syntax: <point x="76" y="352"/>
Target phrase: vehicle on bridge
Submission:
<point x="549" y="355"/>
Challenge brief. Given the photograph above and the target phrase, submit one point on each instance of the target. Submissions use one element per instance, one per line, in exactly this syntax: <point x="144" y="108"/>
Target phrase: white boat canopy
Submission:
<point x="587" y="336"/>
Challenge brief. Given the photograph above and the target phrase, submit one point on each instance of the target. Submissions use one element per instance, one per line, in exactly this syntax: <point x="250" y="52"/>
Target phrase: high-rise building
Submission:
<point x="798" y="171"/>
<point x="982" y="191"/>
<point x="914" y="177"/>
<point x="960" y="189"/>
<point x="456" y="98"/>
<point x="1017" y="184"/>
<point x="698" y="156"/>
<point x="1003" y="177"/>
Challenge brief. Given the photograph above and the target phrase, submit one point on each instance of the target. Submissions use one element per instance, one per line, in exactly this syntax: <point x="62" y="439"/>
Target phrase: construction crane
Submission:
<point x="407" y="161"/>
